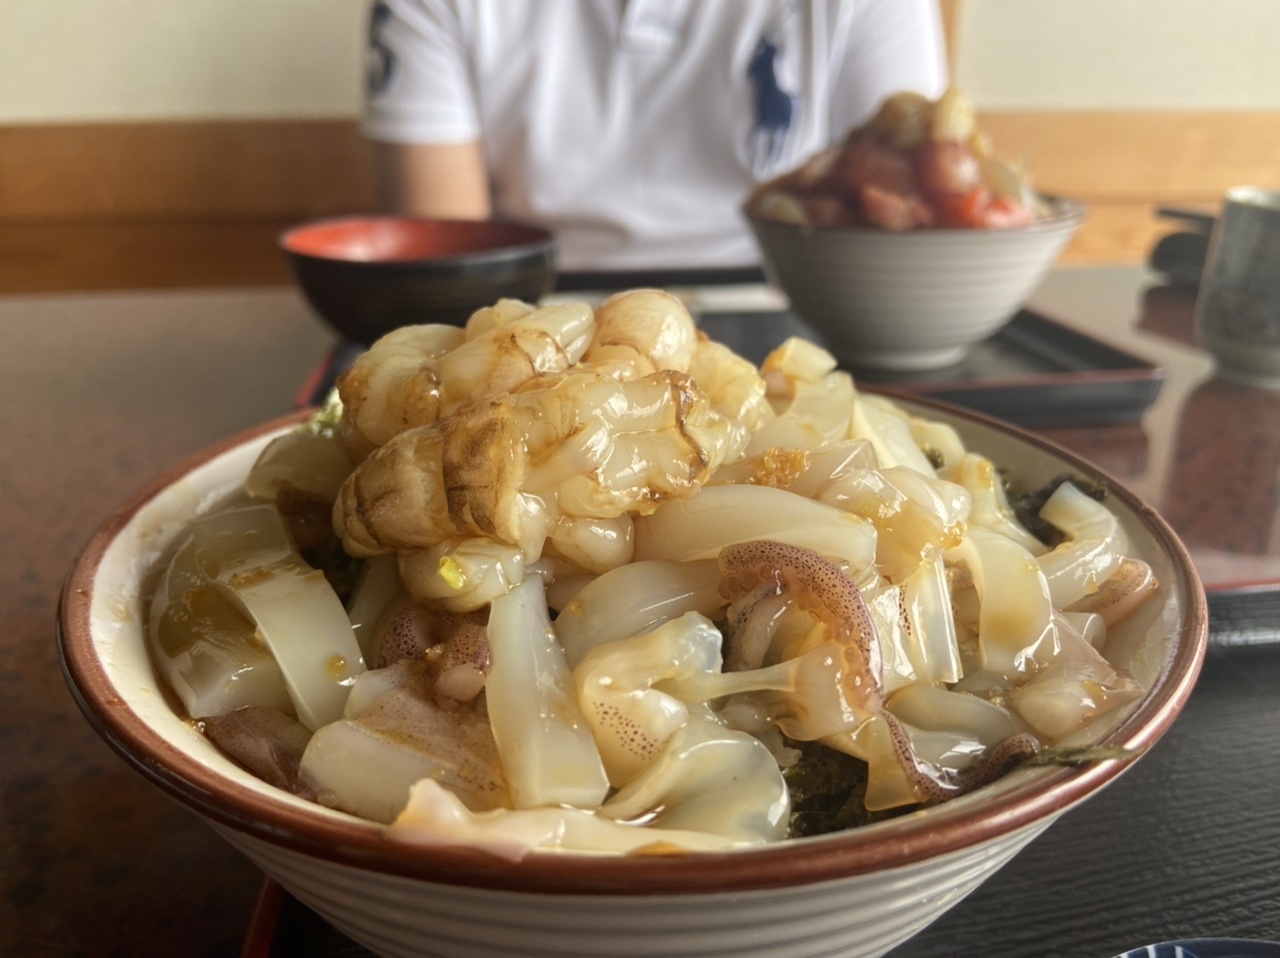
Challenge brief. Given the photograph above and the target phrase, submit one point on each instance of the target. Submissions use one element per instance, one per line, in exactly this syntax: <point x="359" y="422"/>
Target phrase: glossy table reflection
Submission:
<point x="99" y="393"/>
<point x="1213" y="461"/>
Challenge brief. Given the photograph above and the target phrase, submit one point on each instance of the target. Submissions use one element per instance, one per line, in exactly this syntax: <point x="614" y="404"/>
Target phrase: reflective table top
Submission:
<point x="101" y="392"/>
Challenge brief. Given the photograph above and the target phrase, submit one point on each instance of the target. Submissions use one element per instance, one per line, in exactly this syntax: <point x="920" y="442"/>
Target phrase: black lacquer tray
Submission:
<point x="1036" y="371"/>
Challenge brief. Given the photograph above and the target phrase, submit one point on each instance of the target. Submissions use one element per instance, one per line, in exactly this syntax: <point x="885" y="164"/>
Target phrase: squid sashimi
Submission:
<point x="587" y="581"/>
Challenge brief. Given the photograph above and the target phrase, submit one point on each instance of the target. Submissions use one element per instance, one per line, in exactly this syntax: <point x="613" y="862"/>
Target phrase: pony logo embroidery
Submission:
<point x="774" y="107"/>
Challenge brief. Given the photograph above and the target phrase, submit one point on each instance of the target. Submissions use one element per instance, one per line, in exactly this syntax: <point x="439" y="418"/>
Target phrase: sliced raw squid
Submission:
<point x="747" y="567"/>
<point x="1072" y="687"/>
<point x="990" y="504"/>
<point x="916" y="627"/>
<point x="209" y="652"/>
<point x="1015" y="617"/>
<point x="709" y="779"/>
<point x="634" y="598"/>
<point x="546" y="747"/>
<point x="1094" y="548"/>
<point x="366" y="763"/>
<point x="916" y="517"/>
<point x="301" y="462"/>
<point x="247" y="554"/>
<point x="688" y="529"/>
<point x="435" y="816"/>
<point x="377" y="586"/>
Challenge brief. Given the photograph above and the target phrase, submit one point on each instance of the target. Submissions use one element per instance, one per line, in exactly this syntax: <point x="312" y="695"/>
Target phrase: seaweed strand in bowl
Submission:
<point x="918" y="163"/>
<point x="615" y="589"/>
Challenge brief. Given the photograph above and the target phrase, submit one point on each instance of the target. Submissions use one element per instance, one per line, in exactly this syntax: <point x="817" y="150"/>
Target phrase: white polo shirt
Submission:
<point x="635" y="128"/>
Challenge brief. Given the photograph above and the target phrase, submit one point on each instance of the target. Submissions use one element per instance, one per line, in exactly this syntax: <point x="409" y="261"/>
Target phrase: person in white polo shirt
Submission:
<point x="632" y="128"/>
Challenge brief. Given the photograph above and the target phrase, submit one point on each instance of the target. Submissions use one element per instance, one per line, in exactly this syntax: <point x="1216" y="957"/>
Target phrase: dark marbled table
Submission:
<point x="101" y="392"/>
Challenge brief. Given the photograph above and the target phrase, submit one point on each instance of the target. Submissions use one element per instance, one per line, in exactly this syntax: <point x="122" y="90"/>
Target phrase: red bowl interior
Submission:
<point x="406" y="239"/>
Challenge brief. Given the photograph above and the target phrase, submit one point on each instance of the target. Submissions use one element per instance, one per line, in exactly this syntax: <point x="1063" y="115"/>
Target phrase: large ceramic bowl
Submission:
<point x="856" y="893"/>
<point x="368" y="275"/>
<point x="910" y="300"/>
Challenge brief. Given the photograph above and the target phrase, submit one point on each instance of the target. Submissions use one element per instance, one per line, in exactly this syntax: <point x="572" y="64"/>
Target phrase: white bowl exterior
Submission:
<point x="910" y="300"/>
<point x="862" y="915"/>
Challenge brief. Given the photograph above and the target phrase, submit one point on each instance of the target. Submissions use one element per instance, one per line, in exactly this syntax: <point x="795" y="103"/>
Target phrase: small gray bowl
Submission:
<point x="911" y="300"/>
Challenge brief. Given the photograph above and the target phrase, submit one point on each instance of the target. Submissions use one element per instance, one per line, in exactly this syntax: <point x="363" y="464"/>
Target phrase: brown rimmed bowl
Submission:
<point x="856" y="893"/>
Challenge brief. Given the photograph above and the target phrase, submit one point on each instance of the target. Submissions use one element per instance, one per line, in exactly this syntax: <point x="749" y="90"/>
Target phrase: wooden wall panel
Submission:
<point x="1136" y="156"/>
<point x="117" y="205"/>
<point x="157" y="253"/>
<point x="176" y="170"/>
<point x="1124" y="165"/>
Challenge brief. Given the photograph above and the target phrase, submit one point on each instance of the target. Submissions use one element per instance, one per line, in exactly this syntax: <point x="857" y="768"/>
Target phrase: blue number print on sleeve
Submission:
<point x="380" y="62"/>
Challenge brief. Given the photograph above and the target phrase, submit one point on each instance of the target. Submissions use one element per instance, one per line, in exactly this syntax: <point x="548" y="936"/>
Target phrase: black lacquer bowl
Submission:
<point x="368" y="275"/>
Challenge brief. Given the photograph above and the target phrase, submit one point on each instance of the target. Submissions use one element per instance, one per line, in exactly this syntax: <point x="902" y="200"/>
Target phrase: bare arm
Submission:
<point x="447" y="181"/>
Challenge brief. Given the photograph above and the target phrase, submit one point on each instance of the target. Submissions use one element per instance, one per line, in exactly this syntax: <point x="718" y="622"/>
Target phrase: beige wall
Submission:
<point x="1121" y="54"/>
<point x="85" y="60"/>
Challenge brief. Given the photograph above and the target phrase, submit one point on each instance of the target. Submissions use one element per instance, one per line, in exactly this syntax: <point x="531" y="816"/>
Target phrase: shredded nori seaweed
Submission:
<point x="828" y="792"/>
<point x="340" y="569"/>
<point x="307" y="519"/>
<point x="1027" y="505"/>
